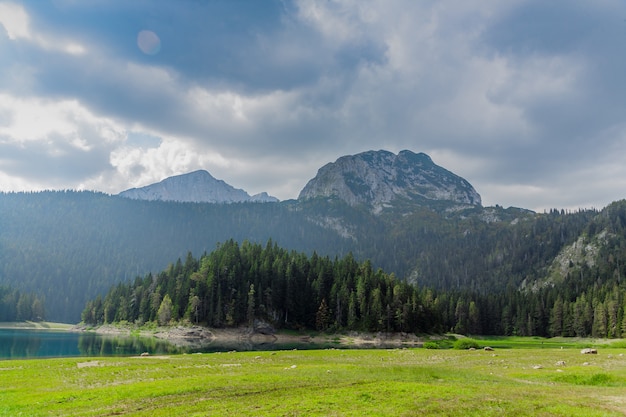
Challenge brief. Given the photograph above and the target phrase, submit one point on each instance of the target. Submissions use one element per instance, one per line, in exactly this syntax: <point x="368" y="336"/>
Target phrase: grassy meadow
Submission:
<point x="530" y="381"/>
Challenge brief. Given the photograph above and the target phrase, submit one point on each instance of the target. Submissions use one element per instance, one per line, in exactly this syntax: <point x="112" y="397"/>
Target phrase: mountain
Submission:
<point x="411" y="218"/>
<point x="196" y="187"/>
<point x="380" y="179"/>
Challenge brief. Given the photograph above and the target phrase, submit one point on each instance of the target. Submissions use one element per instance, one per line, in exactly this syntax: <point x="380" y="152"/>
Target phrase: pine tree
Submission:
<point x="624" y="322"/>
<point x="194" y="307"/>
<point x="556" y="318"/>
<point x="612" y="308"/>
<point x="599" y="327"/>
<point x="352" y="316"/>
<point x="461" y="314"/>
<point x="165" y="311"/>
<point x="250" y="310"/>
<point x="322" y="317"/>
<point x="474" y="318"/>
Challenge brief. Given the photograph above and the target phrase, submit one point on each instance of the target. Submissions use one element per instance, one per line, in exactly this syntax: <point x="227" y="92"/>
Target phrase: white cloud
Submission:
<point x="139" y="166"/>
<point x="38" y="120"/>
<point x="537" y="78"/>
<point x="10" y="182"/>
<point x="52" y="144"/>
<point x="338" y="21"/>
<point x="16" y="22"/>
<point x="511" y="109"/>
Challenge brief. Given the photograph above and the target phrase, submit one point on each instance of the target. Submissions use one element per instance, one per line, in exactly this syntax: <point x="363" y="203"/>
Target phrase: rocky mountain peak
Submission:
<point x="197" y="187"/>
<point x="378" y="178"/>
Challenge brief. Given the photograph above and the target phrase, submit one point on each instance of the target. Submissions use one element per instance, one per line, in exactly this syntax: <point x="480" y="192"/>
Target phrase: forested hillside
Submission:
<point x="20" y="306"/>
<point x="69" y="247"/>
<point x="237" y="284"/>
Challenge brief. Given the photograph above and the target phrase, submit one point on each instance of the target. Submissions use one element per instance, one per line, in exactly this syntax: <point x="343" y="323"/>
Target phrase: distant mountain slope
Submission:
<point x="378" y="178"/>
<point x="72" y="246"/>
<point x="195" y="187"/>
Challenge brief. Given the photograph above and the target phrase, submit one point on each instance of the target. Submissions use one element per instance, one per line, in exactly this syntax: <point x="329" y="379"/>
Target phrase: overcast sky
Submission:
<point x="524" y="99"/>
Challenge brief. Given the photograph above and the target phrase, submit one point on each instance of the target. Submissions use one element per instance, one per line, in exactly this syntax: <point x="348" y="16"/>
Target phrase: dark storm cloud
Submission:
<point x="218" y="46"/>
<point x="521" y="98"/>
<point x="589" y="40"/>
<point x="241" y="44"/>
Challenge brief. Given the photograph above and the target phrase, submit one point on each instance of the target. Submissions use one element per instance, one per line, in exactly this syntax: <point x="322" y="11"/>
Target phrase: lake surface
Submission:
<point x="28" y="343"/>
<point x="25" y="343"/>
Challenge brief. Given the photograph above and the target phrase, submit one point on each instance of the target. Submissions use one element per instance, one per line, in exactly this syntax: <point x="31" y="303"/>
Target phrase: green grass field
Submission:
<point x="398" y="382"/>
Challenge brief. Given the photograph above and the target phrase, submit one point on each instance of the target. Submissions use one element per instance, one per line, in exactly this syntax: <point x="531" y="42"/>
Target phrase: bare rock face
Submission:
<point x="196" y="187"/>
<point x="378" y="178"/>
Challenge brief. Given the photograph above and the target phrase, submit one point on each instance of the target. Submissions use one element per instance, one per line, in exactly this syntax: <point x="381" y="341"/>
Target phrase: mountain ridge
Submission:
<point x="196" y="187"/>
<point x="69" y="245"/>
<point x="379" y="178"/>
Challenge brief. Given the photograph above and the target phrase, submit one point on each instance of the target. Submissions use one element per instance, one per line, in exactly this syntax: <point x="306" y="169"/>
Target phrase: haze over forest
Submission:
<point x="508" y="203"/>
<point x="427" y="255"/>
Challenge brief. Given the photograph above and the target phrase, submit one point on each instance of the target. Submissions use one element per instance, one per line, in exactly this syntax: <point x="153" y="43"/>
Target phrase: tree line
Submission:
<point x="68" y="247"/>
<point x="238" y="284"/>
<point x="20" y="306"/>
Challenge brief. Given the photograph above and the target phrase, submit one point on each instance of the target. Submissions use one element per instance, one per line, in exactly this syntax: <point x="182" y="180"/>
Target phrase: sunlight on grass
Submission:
<point x="403" y="382"/>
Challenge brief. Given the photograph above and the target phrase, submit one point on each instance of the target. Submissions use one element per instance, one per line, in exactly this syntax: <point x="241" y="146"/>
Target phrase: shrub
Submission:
<point x="466" y="343"/>
<point x="446" y="343"/>
<point x="597" y="380"/>
<point x="431" y="345"/>
<point x="621" y="344"/>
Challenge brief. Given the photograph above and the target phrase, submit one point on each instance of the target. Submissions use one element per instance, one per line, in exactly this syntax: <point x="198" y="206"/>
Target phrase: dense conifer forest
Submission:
<point x="18" y="306"/>
<point x="238" y="284"/>
<point x="489" y="270"/>
<point x="69" y="246"/>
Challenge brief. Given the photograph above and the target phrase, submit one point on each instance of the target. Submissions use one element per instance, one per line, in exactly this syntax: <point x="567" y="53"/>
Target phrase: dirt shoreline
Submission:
<point x="197" y="335"/>
<point x="190" y="335"/>
<point x="35" y="325"/>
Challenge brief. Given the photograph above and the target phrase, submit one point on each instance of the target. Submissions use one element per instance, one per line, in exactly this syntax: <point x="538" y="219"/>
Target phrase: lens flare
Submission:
<point x="148" y="42"/>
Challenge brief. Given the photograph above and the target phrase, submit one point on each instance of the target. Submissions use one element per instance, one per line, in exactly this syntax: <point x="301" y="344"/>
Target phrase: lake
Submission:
<point x="29" y="343"/>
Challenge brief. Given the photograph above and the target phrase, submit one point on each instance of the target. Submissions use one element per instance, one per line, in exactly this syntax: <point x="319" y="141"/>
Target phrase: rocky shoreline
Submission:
<point x="198" y="336"/>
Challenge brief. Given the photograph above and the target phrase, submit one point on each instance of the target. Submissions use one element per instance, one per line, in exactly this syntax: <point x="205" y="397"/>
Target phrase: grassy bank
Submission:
<point x="401" y="382"/>
<point x="35" y="325"/>
<point x="516" y="342"/>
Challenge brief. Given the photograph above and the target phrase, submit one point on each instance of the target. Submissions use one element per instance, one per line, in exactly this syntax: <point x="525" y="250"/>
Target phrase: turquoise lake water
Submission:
<point x="21" y="343"/>
<point x="24" y="343"/>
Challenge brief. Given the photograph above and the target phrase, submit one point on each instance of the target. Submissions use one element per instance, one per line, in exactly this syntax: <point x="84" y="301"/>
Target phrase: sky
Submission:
<point x="525" y="99"/>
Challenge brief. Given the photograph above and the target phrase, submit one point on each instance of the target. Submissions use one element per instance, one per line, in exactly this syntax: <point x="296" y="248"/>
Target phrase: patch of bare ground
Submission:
<point x="89" y="364"/>
<point x="198" y="336"/>
<point x="150" y="357"/>
<point x="617" y="403"/>
<point x="380" y="339"/>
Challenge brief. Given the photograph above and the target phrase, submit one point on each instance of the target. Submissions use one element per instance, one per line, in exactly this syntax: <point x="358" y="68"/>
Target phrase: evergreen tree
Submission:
<point x="474" y="319"/>
<point x="599" y="328"/>
<point x="251" y="308"/>
<point x="165" y="311"/>
<point x="556" y="318"/>
<point x="322" y="317"/>
<point x="194" y="307"/>
<point x="623" y="327"/>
